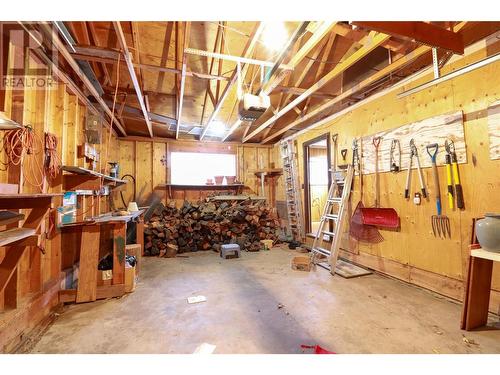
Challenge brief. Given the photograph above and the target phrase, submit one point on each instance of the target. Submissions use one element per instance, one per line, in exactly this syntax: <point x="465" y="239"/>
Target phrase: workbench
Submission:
<point x="87" y="289"/>
<point x="477" y="288"/>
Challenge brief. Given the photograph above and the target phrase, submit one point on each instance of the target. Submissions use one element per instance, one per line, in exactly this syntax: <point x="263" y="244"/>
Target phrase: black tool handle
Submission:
<point x="424" y="193"/>
<point x="460" y="196"/>
<point x="407" y="193"/>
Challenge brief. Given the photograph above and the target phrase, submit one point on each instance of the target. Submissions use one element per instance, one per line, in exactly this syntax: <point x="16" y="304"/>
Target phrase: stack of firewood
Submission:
<point x="209" y="224"/>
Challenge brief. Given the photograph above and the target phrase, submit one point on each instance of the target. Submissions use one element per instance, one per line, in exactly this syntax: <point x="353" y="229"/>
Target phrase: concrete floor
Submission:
<point x="370" y="314"/>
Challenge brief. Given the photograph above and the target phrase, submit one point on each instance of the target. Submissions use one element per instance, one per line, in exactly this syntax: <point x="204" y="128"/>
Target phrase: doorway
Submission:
<point x="317" y="180"/>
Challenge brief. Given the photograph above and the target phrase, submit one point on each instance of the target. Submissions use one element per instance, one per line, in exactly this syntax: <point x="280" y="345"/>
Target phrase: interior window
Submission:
<point x="194" y="168"/>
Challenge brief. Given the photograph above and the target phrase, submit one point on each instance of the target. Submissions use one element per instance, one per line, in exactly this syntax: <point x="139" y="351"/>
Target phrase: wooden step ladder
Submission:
<point x="292" y="190"/>
<point x="335" y="212"/>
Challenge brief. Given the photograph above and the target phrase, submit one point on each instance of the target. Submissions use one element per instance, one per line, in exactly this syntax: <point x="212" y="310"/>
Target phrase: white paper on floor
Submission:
<point x="197" y="299"/>
<point x="204" y="349"/>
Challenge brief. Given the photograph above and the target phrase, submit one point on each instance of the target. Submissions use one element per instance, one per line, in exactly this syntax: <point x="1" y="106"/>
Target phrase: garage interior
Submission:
<point x="238" y="187"/>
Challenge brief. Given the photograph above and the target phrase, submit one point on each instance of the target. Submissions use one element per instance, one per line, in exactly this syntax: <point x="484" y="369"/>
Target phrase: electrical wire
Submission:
<point x="52" y="161"/>
<point x="24" y="147"/>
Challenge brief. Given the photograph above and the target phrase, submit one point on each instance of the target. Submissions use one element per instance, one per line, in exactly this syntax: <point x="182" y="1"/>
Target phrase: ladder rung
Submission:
<point x="332" y="217"/>
<point x="321" y="250"/>
<point x="335" y="200"/>
<point x="331" y="234"/>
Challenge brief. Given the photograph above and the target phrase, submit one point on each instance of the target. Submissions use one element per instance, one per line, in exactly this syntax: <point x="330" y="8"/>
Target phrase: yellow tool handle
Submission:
<point x="449" y="182"/>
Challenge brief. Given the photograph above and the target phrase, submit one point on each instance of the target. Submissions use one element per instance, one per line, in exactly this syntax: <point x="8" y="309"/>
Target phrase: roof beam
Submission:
<point x="130" y="66"/>
<point x="316" y="40"/>
<point x="418" y="31"/>
<point x="136" y="112"/>
<point x="60" y="46"/>
<point x="95" y="37"/>
<point x="321" y="31"/>
<point x="373" y="41"/>
<point x="247" y="52"/>
<point x="183" y="78"/>
<point x="391" y="68"/>
<point x="209" y="89"/>
<point x="164" y="54"/>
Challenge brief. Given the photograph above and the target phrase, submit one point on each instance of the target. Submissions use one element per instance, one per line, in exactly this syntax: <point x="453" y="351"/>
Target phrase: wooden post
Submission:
<point x="89" y="259"/>
<point x="119" y="237"/>
<point x="140" y="233"/>
<point x="477" y="293"/>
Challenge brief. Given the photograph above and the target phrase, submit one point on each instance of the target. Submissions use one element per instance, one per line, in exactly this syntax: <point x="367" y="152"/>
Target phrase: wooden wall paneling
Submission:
<point x="127" y="166"/>
<point x="71" y="131"/>
<point x="159" y="169"/>
<point x="414" y="245"/>
<point x="494" y="130"/>
<point x="432" y="130"/>
<point x="144" y="165"/>
<point x="251" y="164"/>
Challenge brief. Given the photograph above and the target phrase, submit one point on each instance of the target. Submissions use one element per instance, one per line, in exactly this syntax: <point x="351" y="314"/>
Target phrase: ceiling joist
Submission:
<point x="421" y="32"/>
<point x="373" y="41"/>
<point x="133" y="77"/>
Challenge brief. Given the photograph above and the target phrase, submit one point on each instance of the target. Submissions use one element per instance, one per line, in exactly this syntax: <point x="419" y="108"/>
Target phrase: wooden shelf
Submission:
<point x="480" y="253"/>
<point x="16" y="234"/>
<point x="106" y="218"/>
<point x="237" y="198"/>
<point x="201" y="187"/>
<point x="170" y="187"/>
<point x="28" y="195"/>
<point x="269" y="172"/>
<point x="86" y="179"/>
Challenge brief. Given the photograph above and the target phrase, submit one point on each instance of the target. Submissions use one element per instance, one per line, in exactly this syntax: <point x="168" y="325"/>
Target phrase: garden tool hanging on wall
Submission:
<point x="395" y="156"/>
<point x="358" y="230"/>
<point x="452" y="177"/>
<point x="440" y="222"/>
<point x="382" y="217"/>
<point x="414" y="153"/>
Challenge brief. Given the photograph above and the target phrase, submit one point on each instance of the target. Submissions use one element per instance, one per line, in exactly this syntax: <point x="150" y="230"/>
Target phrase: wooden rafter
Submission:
<point x="130" y="66"/>
<point x="422" y="32"/>
<point x="61" y="47"/>
<point x="389" y="69"/>
<point x="374" y="41"/>
<point x="321" y="67"/>
<point x="164" y="54"/>
<point x="317" y="36"/>
<point x="246" y="53"/>
<point x="95" y="37"/>
<point x="209" y="88"/>
<point x="283" y="100"/>
<point x="185" y="44"/>
<point x="137" y="51"/>
<point x="319" y="33"/>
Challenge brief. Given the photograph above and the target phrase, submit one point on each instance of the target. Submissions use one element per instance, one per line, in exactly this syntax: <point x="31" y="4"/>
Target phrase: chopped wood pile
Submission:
<point x="207" y="225"/>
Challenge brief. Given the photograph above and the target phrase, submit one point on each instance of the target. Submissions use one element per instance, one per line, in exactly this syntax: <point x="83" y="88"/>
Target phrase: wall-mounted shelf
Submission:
<point x="171" y="187"/>
<point x="16" y="240"/>
<point x="79" y="178"/>
<point x="10" y="236"/>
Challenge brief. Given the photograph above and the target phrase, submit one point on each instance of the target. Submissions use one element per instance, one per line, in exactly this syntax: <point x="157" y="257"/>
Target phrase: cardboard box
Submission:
<point x="301" y="263"/>
<point x="130" y="278"/>
<point x="135" y="250"/>
<point x="104" y="277"/>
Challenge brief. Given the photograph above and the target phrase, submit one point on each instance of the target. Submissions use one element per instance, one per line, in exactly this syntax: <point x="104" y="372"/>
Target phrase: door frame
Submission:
<point x="307" y="197"/>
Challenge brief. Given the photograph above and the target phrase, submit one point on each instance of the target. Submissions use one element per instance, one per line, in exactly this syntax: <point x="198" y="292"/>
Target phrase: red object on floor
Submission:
<point x="317" y="349"/>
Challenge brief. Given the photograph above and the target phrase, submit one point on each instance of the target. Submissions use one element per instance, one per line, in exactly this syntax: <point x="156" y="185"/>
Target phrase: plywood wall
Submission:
<point x="39" y="272"/>
<point x="149" y="162"/>
<point x="414" y="254"/>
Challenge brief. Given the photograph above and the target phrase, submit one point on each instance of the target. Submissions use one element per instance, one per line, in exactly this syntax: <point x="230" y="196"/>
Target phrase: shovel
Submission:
<point x="382" y="217"/>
